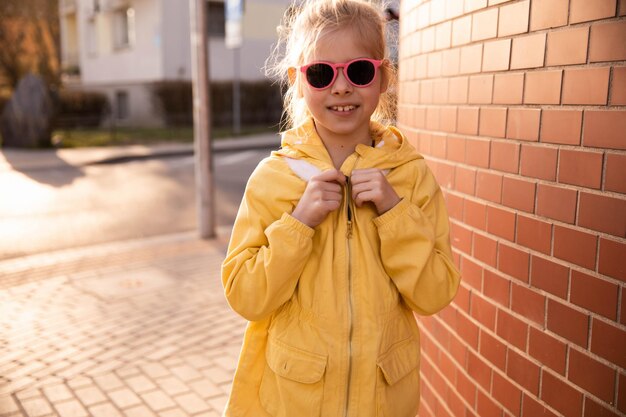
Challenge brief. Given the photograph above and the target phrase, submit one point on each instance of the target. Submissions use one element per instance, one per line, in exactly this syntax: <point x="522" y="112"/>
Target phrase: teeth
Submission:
<point x="343" y="108"/>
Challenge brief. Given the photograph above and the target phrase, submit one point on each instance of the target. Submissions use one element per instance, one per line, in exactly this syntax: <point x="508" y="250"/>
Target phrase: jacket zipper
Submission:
<point x="350" y="306"/>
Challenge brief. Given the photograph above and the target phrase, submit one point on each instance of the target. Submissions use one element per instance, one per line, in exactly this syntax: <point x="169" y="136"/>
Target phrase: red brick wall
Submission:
<point x="519" y="107"/>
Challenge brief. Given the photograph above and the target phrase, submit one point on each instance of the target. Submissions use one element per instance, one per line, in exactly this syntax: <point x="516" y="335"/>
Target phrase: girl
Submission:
<point x="340" y="235"/>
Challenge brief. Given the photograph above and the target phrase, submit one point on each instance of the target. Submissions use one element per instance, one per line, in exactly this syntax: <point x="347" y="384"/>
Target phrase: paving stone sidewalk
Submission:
<point x="134" y="329"/>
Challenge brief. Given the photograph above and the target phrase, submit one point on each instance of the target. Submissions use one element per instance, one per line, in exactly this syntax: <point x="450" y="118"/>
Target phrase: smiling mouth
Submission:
<point x="343" y="108"/>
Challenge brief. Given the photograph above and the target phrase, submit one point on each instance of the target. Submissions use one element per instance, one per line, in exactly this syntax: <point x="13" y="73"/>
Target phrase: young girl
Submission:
<point x="341" y="234"/>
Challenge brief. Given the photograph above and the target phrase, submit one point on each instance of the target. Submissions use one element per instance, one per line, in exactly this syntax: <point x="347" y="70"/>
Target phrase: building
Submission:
<point x="124" y="47"/>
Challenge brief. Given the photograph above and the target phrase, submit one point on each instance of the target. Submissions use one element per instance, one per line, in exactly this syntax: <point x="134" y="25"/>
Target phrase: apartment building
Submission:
<point x="124" y="47"/>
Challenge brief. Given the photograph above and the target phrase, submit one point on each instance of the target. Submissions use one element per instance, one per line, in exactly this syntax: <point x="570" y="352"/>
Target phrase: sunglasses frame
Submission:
<point x="335" y="66"/>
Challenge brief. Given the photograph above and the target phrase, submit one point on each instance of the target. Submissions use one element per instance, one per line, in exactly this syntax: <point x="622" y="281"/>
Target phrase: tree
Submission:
<point x="30" y="39"/>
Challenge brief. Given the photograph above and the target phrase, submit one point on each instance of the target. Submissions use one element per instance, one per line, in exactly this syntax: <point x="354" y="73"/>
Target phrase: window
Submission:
<point x="122" y="108"/>
<point x="124" y="28"/>
<point x="216" y="20"/>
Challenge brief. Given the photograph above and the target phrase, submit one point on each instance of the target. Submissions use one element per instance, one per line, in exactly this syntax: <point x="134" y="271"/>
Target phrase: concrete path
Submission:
<point x="138" y="328"/>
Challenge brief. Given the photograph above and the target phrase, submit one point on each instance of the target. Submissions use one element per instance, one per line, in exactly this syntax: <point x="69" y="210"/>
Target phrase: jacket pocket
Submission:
<point x="292" y="383"/>
<point x="397" y="382"/>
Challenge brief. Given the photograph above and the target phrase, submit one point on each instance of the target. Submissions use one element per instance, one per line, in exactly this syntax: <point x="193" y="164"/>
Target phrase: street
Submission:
<point x="66" y="207"/>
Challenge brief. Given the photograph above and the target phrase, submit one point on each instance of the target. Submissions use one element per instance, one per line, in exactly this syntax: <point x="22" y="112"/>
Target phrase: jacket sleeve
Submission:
<point x="268" y="248"/>
<point x="415" y="247"/>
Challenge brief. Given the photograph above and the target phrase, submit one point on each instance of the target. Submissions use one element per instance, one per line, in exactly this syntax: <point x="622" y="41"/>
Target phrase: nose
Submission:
<point x="341" y="85"/>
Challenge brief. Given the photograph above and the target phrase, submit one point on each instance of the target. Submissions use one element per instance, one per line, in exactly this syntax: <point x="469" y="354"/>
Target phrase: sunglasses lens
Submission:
<point x="361" y="72"/>
<point x="320" y="75"/>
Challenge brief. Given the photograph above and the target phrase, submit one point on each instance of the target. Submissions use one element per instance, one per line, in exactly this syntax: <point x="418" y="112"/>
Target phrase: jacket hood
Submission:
<point x="391" y="149"/>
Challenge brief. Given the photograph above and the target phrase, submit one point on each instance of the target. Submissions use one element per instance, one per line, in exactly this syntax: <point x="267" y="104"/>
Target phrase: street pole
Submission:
<point x="205" y="200"/>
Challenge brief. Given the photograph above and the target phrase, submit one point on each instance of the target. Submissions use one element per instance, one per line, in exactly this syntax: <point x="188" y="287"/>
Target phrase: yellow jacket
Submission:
<point x="331" y="332"/>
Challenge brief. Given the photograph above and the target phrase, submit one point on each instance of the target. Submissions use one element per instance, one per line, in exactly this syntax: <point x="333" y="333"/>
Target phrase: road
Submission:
<point x="69" y="207"/>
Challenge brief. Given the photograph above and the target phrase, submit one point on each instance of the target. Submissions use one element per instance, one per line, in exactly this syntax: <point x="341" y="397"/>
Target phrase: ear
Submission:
<point x="384" y="79"/>
<point x="292" y="73"/>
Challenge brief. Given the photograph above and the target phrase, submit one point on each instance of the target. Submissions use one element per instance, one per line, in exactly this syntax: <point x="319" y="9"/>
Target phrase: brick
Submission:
<point x="472" y="5"/>
<point x="501" y="222"/>
<point x="479" y="371"/>
<point x="580" y="168"/>
<point x="595" y="409"/>
<point x="561" y="126"/>
<point x="480" y="89"/>
<point x="485" y="25"/>
<point x="477" y="151"/>
<point x="621" y="395"/>
<point x="560" y="395"/>
<point x="505" y="156"/>
<point x="532" y="408"/>
<point x="124" y="398"/>
<point x="486" y="406"/>
<point x="523" y="124"/>
<point x="543" y="87"/>
<point x="497" y="288"/>
<point x="448" y="120"/>
<point x="584" y="10"/>
<point x="468" y="331"/>
<point x="454" y="8"/>
<point x="547" y="349"/>
<point x="512" y="329"/>
<point x="466" y="388"/>
<point x="428" y="40"/>
<point x="427" y="92"/>
<point x="434" y="65"/>
<point x="492" y="122"/>
<point x="471" y="59"/>
<point x="523" y="371"/>
<point x="528" y="51"/>
<point x="71" y="408"/>
<point x="90" y="395"/>
<point x="548" y="14"/>
<point x="451" y="62"/>
<point x="455" y="206"/>
<point x="457" y="91"/>
<point x="519" y="194"/>
<point x="489" y="186"/>
<point x="475" y="214"/>
<point x="567" y="47"/>
<point x="461" y="238"/>
<point x="605" y="129"/>
<point x="609" y="342"/>
<point x="465" y="180"/>
<point x="586" y="86"/>
<point x="433" y="119"/>
<point x="493" y="350"/>
<point x="622" y="8"/>
<point x="467" y="122"/>
<point x="507" y="394"/>
<point x="158" y="400"/>
<point x="534" y="233"/>
<point x="602" y="213"/>
<point x="485" y="249"/>
<point x="440" y="91"/>
<point x="443" y="35"/>
<point x="606" y="43"/>
<point x="538" y="162"/>
<point x="513" y="261"/>
<point x="528" y="303"/>
<point x="514" y="19"/>
<point x="104" y="410"/>
<point x="568" y="323"/>
<point x="575" y="246"/>
<point x="594" y="294"/>
<point x="461" y="30"/>
<point x="508" y="88"/>
<point x="556" y="203"/>
<point x="611" y="261"/>
<point x="549" y="276"/>
<point x="496" y="55"/>
<point x="618" y="86"/>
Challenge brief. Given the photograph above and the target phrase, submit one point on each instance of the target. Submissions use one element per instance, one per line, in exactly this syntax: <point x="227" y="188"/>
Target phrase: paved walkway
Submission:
<point x="136" y="329"/>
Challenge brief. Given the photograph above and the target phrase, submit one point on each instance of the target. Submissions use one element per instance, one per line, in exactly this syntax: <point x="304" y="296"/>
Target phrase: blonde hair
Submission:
<point x="298" y="34"/>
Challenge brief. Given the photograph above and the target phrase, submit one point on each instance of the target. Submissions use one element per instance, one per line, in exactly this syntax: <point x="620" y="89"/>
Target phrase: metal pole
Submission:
<point x="205" y="200"/>
<point x="237" y="92"/>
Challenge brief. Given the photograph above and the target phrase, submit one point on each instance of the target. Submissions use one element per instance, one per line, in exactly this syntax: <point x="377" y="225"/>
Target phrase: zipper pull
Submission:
<point x="349" y="209"/>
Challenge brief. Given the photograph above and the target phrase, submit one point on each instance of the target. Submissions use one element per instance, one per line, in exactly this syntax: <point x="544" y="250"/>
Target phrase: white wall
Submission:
<point x="176" y="40"/>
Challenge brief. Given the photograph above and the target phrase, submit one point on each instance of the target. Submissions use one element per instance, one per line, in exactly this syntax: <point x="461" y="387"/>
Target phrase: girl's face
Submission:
<point x="341" y="110"/>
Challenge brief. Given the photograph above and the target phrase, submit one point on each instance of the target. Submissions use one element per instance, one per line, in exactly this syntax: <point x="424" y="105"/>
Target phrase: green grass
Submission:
<point x="78" y="138"/>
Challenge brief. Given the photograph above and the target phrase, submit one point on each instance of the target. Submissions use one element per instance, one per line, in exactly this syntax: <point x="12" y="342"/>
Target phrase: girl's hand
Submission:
<point x="322" y="195"/>
<point x="371" y="185"/>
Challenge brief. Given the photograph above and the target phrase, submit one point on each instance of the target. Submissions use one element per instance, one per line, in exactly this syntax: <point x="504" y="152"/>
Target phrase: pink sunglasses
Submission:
<point x="359" y="72"/>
